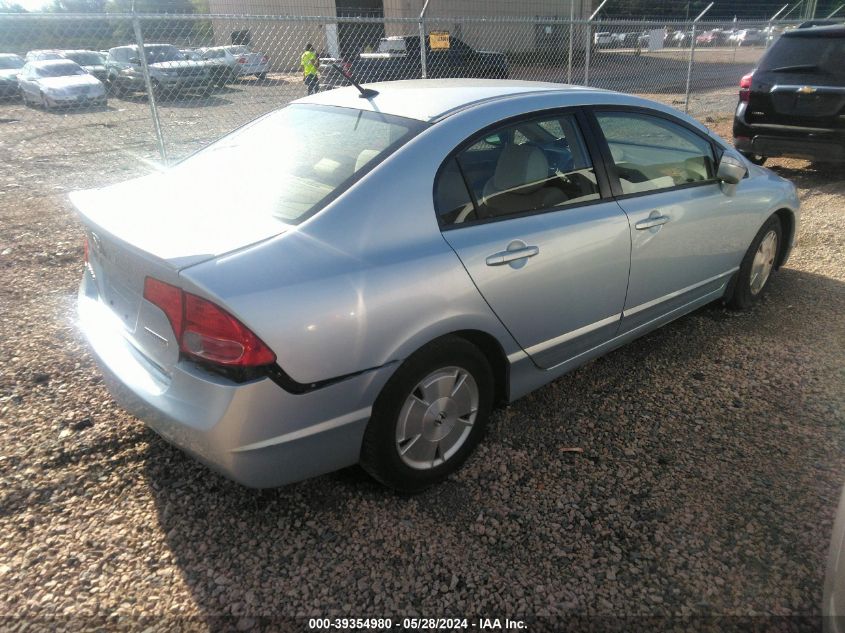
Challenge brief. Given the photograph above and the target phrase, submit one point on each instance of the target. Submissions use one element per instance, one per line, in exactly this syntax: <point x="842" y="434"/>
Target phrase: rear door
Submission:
<point x="686" y="234"/>
<point x="528" y="212"/>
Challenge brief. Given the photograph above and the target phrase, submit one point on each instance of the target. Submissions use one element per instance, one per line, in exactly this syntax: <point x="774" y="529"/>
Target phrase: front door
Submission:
<point x="521" y="206"/>
<point x="685" y="231"/>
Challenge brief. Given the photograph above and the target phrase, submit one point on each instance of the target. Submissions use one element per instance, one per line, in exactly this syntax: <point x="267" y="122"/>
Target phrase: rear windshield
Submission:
<point x="820" y="55"/>
<point x="299" y="158"/>
<point x="391" y="46"/>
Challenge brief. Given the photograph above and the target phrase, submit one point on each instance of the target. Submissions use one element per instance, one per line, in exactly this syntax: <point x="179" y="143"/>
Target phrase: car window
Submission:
<point x="652" y="153"/>
<point x="451" y="199"/>
<point x="10" y="63"/>
<point x="60" y="69"/>
<point x="529" y="166"/>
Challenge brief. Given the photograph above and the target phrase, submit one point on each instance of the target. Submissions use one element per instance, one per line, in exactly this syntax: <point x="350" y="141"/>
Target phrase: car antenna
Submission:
<point x="366" y="93"/>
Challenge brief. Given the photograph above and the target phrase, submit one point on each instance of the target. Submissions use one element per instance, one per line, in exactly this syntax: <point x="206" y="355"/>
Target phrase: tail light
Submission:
<point x="85" y="249"/>
<point x="745" y="87"/>
<point x="205" y="330"/>
<point x="347" y="66"/>
<point x="242" y="60"/>
<point x="264" y="59"/>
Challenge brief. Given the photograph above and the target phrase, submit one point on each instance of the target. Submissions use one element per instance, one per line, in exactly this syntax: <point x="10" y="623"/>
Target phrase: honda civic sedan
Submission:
<point x="418" y="253"/>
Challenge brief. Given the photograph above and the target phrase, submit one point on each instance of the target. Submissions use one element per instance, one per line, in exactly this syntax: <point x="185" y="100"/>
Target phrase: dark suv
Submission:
<point x="793" y="103"/>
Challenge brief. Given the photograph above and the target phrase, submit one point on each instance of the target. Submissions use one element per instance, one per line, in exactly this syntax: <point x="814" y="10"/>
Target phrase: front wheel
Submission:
<point x="430" y="415"/>
<point x="757" y="266"/>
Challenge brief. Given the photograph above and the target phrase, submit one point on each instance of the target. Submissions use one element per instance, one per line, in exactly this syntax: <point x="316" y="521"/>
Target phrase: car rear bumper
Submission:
<point x="788" y="141"/>
<point x="255" y="433"/>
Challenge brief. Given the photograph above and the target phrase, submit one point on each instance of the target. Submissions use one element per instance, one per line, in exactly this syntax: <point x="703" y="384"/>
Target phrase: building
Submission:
<point x="281" y="28"/>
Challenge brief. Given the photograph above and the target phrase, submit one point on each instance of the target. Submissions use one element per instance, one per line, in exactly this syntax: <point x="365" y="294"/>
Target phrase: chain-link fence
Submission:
<point x="161" y="86"/>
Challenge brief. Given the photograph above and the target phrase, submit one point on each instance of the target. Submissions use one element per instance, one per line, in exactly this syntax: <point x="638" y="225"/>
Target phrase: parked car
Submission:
<point x="219" y="71"/>
<point x="10" y="66"/>
<point x="42" y="55"/>
<point x="170" y="72"/>
<point x="91" y="61"/>
<point x="241" y="61"/>
<point x="714" y="37"/>
<point x="59" y="82"/>
<point x="371" y="300"/>
<point x="747" y="37"/>
<point x="833" y="605"/>
<point x="793" y="104"/>
<point x="398" y="57"/>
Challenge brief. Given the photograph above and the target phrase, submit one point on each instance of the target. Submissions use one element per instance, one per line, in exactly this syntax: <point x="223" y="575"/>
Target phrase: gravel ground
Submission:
<point x="712" y="461"/>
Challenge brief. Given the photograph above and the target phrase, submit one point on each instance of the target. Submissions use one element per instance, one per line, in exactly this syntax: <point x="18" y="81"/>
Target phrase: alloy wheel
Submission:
<point x="436" y="418"/>
<point x="764" y="261"/>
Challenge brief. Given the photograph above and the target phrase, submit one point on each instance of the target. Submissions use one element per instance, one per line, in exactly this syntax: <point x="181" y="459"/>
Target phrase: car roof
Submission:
<point x="51" y="62"/>
<point x="431" y="99"/>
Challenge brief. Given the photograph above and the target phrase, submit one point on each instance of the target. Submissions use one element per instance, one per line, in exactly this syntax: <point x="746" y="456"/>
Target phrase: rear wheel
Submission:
<point x="757" y="265"/>
<point x="429" y="416"/>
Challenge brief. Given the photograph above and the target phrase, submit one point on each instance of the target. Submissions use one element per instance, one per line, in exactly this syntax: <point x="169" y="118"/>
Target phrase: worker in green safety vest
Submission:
<point x="309" y="62"/>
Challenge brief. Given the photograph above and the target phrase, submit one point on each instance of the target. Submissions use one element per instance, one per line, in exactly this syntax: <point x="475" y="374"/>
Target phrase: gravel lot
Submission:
<point x="712" y="459"/>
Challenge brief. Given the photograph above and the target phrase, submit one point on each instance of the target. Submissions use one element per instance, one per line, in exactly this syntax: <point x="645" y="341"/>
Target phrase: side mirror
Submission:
<point x="731" y="170"/>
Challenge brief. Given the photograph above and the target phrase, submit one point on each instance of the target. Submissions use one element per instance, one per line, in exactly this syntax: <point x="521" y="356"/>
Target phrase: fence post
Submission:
<point x="142" y="56"/>
<point x="587" y="46"/>
<point x="689" y="68"/>
<point x="422" y="41"/>
<point x="692" y="54"/>
<point x="571" y="36"/>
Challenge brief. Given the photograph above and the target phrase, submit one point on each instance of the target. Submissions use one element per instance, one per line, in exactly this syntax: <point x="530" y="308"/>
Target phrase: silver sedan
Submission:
<point x="419" y="253"/>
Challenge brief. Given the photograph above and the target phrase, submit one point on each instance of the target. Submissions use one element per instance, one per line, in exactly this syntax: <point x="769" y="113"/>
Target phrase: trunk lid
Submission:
<point x="156" y="226"/>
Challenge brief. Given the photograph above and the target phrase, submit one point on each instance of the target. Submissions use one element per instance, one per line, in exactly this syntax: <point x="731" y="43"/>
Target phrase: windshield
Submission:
<point x="85" y="58"/>
<point x="156" y="54"/>
<point x="11" y="62"/>
<point x="301" y="157"/>
<point x="391" y="46"/>
<point x="808" y="54"/>
<point x="60" y="70"/>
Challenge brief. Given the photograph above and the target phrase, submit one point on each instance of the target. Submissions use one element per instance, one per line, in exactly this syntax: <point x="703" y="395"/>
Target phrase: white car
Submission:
<point x="61" y="82"/>
<point x="240" y="59"/>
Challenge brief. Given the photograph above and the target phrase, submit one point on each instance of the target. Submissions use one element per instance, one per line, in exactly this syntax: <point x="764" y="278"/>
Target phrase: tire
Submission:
<point x="759" y="260"/>
<point x="261" y="76"/>
<point x="399" y="457"/>
<point x="757" y="159"/>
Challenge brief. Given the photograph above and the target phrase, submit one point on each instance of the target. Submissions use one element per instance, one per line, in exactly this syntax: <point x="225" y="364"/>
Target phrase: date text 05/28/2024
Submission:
<point x="415" y="624"/>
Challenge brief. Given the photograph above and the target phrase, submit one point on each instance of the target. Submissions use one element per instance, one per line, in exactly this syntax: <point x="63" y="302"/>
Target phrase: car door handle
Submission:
<point x="651" y="222"/>
<point x="505" y="257"/>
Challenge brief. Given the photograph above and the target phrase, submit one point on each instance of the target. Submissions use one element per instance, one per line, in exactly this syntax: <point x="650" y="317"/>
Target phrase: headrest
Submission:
<point x="365" y="157"/>
<point x="522" y="167"/>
